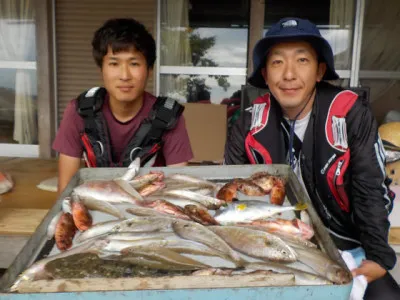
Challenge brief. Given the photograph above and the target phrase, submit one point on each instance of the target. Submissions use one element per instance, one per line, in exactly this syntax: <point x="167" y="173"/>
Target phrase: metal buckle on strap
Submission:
<point x="169" y="103"/>
<point x="101" y="147"/>
<point x="133" y="152"/>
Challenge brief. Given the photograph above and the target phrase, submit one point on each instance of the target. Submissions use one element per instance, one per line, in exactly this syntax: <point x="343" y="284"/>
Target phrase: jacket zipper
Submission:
<point x="335" y="178"/>
<point x="328" y="214"/>
<point x="326" y="211"/>
<point x="338" y="171"/>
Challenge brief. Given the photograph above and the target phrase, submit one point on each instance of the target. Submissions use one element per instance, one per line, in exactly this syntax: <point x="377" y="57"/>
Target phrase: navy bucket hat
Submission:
<point x="289" y="29"/>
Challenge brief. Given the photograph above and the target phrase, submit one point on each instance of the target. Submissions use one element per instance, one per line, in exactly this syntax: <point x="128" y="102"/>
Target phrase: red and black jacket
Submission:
<point x="145" y="143"/>
<point x="342" y="163"/>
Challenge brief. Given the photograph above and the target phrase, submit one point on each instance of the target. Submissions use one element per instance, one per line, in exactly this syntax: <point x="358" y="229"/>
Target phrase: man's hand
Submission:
<point x="67" y="167"/>
<point x="370" y="269"/>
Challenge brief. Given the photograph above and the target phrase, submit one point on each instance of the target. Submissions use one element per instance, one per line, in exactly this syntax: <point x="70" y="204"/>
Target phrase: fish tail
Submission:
<point x="301" y="206"/>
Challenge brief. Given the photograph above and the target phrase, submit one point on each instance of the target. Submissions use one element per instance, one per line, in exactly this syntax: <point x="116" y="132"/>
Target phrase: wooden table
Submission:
<point x="22" y="209"/>
<point x="27" y="173"/>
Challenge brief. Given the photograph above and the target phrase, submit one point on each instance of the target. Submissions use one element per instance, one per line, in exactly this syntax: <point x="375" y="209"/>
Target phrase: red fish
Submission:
<point x="278" y="192"/>
<point x="199" y="215"/>
<point x="81" y="215"/>
<point x="142" y="180"/>
<point x="167" y="208"/>
<point x="65" y="232"/>
<point x="151" y="188"/>
<point x="293" y="227"/>
<point x="249" y="188"/>
<point x="228" y="192"/>
<point x="263" y="180"/>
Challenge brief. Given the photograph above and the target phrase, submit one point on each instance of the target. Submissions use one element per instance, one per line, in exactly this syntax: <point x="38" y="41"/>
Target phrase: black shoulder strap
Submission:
<point x="89" y="103"/>
<point x="163" y="116"/>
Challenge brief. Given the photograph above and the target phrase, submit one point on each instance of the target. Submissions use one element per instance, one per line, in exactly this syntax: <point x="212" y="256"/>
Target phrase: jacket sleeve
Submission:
<point x="371" y="202"/>
<point x="235" y="151"/>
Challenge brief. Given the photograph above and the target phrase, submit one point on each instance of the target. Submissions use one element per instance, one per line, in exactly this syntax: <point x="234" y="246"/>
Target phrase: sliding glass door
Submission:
<point x="18" y="80"/>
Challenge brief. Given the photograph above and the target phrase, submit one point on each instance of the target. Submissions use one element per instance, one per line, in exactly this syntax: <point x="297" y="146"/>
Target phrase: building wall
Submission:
<point x="76" y="22"/>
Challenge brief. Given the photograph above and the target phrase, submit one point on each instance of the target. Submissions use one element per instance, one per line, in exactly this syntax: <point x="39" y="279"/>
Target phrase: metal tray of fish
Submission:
<point x="179" y="286"/>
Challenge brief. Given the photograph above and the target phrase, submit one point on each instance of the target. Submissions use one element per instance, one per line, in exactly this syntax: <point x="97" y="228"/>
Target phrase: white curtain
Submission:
<point x="340" y="34"/>
<point x="175" y="44"/>
<point x="17" y="40"/>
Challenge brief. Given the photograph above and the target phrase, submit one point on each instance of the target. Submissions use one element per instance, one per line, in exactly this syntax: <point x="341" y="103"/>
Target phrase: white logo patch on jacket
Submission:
<point x="257" y="115"/>
<point x="339" y="131"/>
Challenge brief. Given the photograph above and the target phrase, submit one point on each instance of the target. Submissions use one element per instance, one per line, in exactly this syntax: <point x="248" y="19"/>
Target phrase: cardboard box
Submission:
<point x="206" y="125"/>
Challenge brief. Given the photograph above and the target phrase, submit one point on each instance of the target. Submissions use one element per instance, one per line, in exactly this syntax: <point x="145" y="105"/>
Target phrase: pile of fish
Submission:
<point x="180" y="223"/>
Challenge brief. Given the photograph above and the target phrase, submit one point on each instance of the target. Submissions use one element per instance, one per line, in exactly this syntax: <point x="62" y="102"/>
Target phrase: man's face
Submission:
<point x="291" y="72"/>
<point x="125" y="74"/>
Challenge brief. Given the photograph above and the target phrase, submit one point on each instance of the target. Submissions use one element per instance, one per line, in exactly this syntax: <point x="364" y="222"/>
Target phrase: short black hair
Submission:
<point x="122" y="35"/>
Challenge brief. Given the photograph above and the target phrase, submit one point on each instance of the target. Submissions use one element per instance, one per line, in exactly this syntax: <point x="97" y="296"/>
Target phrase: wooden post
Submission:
<point x="257" y="11"/>
<point x="45" y="76"/>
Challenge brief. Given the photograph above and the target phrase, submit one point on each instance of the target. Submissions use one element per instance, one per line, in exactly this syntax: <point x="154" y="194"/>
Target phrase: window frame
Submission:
<point x="254" y="34"/>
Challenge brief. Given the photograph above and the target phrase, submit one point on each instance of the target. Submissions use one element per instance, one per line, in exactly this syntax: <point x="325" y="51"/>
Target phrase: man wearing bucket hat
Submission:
<point x="330" y="139"/>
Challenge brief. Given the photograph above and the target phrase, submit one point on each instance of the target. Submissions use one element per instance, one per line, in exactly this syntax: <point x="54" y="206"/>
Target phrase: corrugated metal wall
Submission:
<point x="76" y="22"/>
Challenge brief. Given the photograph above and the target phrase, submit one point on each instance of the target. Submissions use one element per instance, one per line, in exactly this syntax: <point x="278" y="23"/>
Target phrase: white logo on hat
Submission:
<point x="289" y="23"/>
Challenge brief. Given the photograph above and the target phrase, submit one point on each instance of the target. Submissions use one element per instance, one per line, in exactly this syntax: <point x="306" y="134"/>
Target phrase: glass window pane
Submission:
<point x="201" y="88"/>
<point x="18" y="84"/>
<point x="379" y="53"/>
<point x="334" y="18"/>
<point x="204" y="33"/>
<point x="380" y="38"/>
<point x="384" y="97"/>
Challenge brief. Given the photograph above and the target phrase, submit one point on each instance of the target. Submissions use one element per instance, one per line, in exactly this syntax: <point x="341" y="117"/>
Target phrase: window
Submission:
<point x="380" y="64"/>
<point x="18" y="83"/>
<point x="203" y="49"/>
<point x="334" y="19"/>
<point x="208" y="63"/>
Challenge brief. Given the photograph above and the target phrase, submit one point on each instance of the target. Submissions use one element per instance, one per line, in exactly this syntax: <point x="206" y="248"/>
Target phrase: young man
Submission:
<point x="330" y="139"/>
<point x="111" y="126"/>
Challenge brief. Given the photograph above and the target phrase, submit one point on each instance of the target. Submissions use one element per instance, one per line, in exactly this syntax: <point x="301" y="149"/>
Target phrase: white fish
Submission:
<point x="140" y="181"/>
<point x="255" y="243"/>
<point x="301" y="277"/>
<point x="119" y="245"/>
<point x="323" y="265"/>
<point x="96" y="231"/>
<point x="208" y="201"/>
<point x="99" y="205"/>
<point x="140" y="224"/>
<point x="113" y="191"/>
<point x="248" y="211"/>
<point x="134" y="236"/>
<point x="129" y="189"/>
<point x="51" y="229"/>
<point x="191" y="179"/>
<point x="178" y="201"/>
<point x="201" y="234"/>
<point x="133" y="170"/>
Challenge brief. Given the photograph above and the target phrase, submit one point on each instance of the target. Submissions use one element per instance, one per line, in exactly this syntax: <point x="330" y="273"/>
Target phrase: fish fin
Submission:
<point x="133" y="170"/>
<point x="129" y="189"/>
<point x="66" y="205"/>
